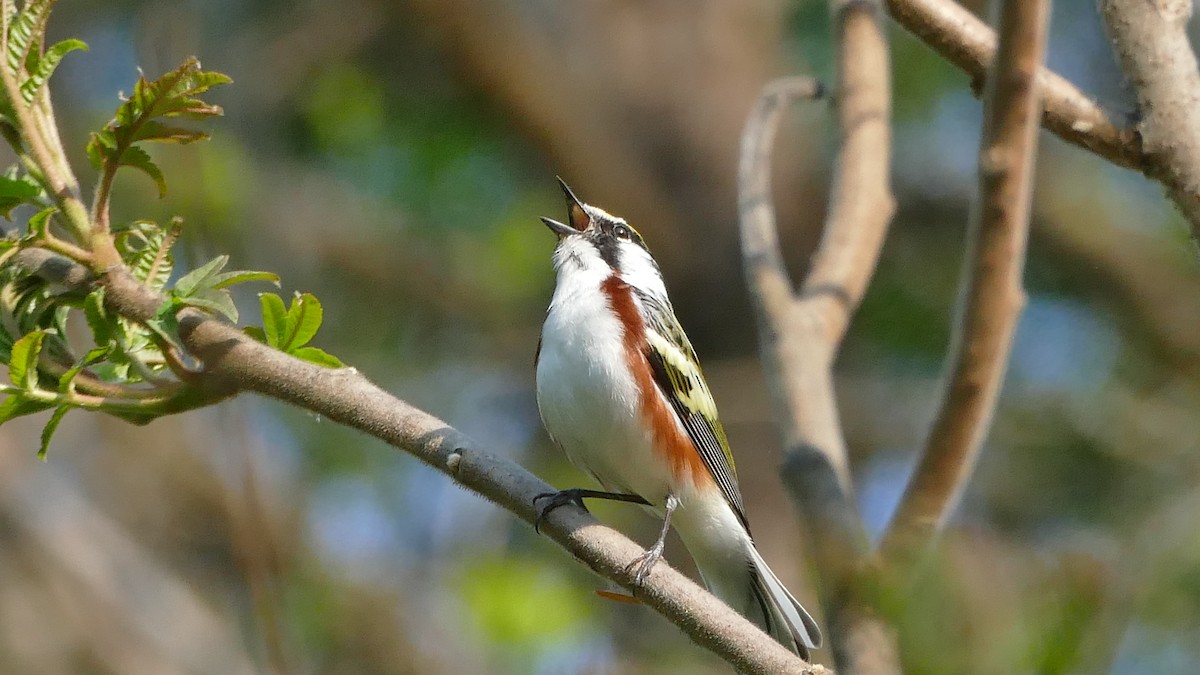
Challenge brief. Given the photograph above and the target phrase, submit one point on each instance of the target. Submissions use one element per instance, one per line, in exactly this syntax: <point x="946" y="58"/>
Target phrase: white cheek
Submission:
<point x="639" y="270"/>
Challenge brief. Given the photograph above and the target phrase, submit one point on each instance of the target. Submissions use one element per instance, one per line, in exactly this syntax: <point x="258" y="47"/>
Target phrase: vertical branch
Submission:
<point x="800" y="333"/>
<point x="1151" y="42"/>
<point x="992" y="294"/>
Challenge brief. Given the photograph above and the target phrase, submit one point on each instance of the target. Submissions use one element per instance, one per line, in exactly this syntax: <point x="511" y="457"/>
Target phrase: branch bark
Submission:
<point x="962" y="39"/>
<point x="235" y="362"/>
<point x="992" y="293"/>
<point x="800" y="333"/>
<point x="1151" y="41"/>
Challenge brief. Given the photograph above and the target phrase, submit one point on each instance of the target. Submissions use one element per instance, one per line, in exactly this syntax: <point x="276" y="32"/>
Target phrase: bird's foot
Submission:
<point x="645" y="562"/>
<point x="576" y="496"/>
<point x="642" y="564"/>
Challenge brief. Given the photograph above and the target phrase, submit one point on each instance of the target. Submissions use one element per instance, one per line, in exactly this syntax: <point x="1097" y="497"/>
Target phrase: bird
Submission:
<point x="620" y="391"/>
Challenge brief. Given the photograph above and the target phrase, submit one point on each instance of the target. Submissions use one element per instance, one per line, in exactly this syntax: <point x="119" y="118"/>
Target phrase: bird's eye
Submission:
<point x="622" y="232"/>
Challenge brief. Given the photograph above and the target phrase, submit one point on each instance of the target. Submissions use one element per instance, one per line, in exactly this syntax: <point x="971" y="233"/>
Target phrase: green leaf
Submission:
<point x="303" y="320"/>
<point x="15" y="191"/>
<point x="274" y="315"/>
<point x="318" y="356"/>
<point x="6" y="343"/>
<point x="256" y="333"/>
<point x="152" y="130"/>
<point x="146" y="249"/>
<point x="23" y="32"/>
<point x="139" y="159"/>
<point x="172" y="95"/>
<point x="198" y="278"/>
<point x="66" y="383"/>
<point x="227" y="279"/>
<point x="102" y="326"/>
<point x="36" y="227"/>
<point x="101" y="145"/>
<point x="215" y="301"/>
<point x="22" y="367"/>
<point x="17" y="405"/>
<point x="165" y="324"/>
<point x="45" y="66"/>
<point x="49" y="429"/>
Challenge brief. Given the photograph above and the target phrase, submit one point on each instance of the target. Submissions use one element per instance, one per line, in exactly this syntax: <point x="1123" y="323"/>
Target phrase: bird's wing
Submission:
<point x="677" y="374"/>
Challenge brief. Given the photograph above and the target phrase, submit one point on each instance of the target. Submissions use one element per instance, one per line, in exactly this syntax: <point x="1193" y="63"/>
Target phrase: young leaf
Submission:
<point x="289" y="330"/>
<point x="303" y="320"/>
<point x="213" y="300"/>
<point x="36" y="227"/>
<point x="274" y="319"/>
<point x="139" y="159"/>
<point x="49" y="429"/>
<point x="146" y="249"/>
<point x="153" y="130"/>
<point x="196" y="279"/>
<point x="6" y="343"/>
<point x="17" y="405"/>
<point x="100" y="146"/>
<point x="22" y="367"/>
<point x="15" y="191"/>
<point x="23" y="33"/>
<point x="227" y="279"/>
<point x="190" y="282"/>
<point x="44" y="67"/>
<point x="66" y="383"/>
<point x="318" y="356"/>
<point x="136" y="120"/>
<point x="101" y="324"/>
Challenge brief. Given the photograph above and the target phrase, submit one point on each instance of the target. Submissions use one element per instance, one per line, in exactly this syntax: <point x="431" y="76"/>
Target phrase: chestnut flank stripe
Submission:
<point x="670" y="439"/>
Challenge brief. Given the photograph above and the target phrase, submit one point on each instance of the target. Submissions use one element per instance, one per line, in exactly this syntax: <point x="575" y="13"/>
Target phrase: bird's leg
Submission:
<point x="645" y="562"/>
<point x="576" y="496"/>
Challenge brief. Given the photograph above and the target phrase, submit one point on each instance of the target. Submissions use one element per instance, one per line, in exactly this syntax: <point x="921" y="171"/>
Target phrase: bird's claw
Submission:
<point x="557" y="499"/>
<point x="641" y="565"/>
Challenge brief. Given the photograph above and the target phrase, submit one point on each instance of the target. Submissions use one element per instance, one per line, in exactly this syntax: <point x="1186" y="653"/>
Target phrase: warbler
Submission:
<point x="620" y="390"/>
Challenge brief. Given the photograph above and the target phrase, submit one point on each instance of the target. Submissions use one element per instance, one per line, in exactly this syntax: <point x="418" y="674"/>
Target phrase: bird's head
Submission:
<point x="593" y="240"/>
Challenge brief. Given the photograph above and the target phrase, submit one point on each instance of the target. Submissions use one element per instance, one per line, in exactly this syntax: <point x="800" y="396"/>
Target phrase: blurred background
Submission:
<point x="393" y="158"/>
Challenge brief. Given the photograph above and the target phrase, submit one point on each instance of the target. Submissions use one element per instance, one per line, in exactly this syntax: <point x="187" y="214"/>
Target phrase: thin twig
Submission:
<point x="1151" y="41"/>
<point x="992" y="293"/>
<point x="962" y="39"/>
<point x="800" y="334"/>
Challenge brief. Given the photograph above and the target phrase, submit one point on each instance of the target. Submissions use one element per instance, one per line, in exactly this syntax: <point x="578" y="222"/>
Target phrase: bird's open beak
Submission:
<point x="576" y="215"/>
<point x="558" y="228"/>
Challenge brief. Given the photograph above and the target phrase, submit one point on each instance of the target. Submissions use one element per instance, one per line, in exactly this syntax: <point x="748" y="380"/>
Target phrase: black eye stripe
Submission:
<point x="607" y="236"/>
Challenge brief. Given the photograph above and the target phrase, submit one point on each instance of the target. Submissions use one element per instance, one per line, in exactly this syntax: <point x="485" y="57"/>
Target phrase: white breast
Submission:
<point x="588" y="399"/>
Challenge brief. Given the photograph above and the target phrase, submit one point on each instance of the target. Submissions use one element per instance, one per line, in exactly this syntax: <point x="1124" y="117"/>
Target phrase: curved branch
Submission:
<point x="1151" y="41"/>
<point x="962" y="39"/>
<point x="993" y="295"/>
<point x="799" y="335"/>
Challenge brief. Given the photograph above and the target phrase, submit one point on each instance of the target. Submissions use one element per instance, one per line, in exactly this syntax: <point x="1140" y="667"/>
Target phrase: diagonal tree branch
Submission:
<point x="800" y="334"/>
<point x="235" y="362"/>
<point x="992" y="293"/>
<point x="1151" y="41"/>
<point x="962" y="39"/>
